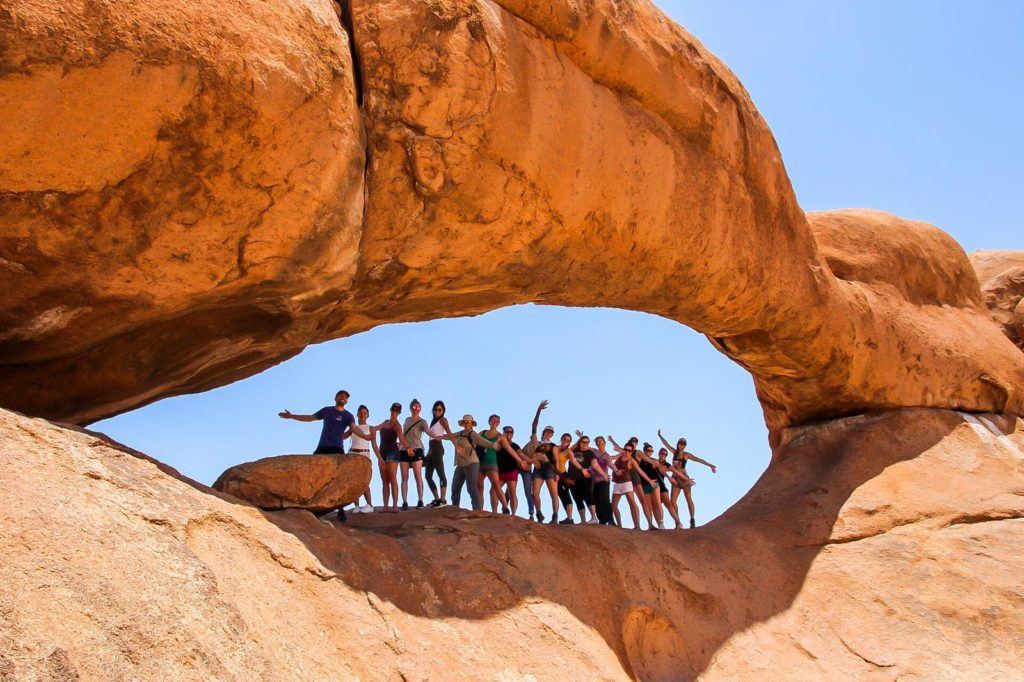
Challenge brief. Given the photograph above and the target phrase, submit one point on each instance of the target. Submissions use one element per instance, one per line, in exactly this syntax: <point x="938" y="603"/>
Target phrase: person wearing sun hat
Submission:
<point x="467" y="464"/>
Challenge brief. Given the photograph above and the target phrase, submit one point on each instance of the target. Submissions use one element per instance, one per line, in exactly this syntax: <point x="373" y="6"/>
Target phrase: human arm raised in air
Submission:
<point x="536" y="418"/>
<point x="298" y="417"/>
<point x="671" y="448"/>
<point x="615" y="445"/>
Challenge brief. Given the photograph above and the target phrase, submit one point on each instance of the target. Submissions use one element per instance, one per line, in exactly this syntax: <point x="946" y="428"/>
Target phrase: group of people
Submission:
<point x="579" y="474"/>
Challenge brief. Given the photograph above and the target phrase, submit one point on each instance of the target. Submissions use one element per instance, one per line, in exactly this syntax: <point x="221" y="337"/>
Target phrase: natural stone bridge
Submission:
<point x="192" y="192"/>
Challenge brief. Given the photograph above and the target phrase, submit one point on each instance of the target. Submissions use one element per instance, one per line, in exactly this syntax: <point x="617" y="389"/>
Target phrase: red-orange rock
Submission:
<point x="1001" y="274"/>
<point x="317" y="483"/>
<point x="882" y="545"/>
<point x="508" y="143"/>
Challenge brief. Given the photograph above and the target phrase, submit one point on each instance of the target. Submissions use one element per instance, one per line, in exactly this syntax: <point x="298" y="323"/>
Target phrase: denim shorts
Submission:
<point x="544" y="474"/>
<point x="392" y="455"/>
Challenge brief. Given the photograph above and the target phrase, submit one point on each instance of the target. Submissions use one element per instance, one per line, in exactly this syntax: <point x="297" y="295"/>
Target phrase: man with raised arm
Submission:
<point x="336" y="421"/>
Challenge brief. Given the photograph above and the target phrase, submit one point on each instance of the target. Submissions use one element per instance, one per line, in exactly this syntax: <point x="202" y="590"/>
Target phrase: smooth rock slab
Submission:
<point x="318" y="483"/>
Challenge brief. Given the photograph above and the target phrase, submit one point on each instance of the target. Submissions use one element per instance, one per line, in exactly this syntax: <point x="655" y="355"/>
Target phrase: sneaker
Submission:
<point x="405" y="506"/>
<point x="661" y="525"/>
<point x="341" y="515"/>
<point x="693" y="524"/>
<point x="366" y="509"/>
<point x="419" y="505"/>
<point x="553" y="521"/>
<point x="592" y="520"/>
<point x="566" y="522"/>
<point x="436" y="503"/>
<point x="531" y="517"/>
<point x="540" y="518"/>
<point x="506" y="511"/>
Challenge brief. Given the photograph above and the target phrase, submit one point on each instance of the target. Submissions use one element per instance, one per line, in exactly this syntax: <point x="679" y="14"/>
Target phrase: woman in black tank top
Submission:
<point x="389" y="453"/>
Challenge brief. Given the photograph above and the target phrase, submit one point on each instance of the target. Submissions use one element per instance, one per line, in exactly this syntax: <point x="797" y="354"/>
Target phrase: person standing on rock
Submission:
<point x="510" y="462"/>
<point x="412" y="439"/>
<point x="623" y="484"/>
<point x="532" y="472"/>
<point x="390" y="430"/>
<point x="488" y="456"/>
<point x="601" y="482"/>
<point x="364" y="437"/>
<point x="634" y="477"/>
<point x="578" y="472"/>
<point x="650" y="492"/>
<point x="677" y="476"/>
<point x="336" y="421"/>
<point x="562" y="452"/>
<point x="467" y="464"/>
<point x="435" y="453"/>
<point x="679" y="459"/>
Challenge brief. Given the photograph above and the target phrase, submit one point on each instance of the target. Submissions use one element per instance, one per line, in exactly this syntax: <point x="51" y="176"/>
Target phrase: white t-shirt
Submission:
<point x="436" y="431"/>
<point x="358" y="441"/>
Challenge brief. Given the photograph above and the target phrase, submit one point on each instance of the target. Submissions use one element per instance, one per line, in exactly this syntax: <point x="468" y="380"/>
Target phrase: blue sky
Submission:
<point x="912" y="107"/>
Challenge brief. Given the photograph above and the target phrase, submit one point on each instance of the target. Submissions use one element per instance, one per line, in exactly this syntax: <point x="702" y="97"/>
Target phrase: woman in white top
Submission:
<point x="364" y="437"/>
<point x="439" y="427"/>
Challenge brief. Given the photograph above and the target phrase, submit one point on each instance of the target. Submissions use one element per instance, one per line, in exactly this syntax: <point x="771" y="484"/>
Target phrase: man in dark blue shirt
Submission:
<point x="336" y="421"/>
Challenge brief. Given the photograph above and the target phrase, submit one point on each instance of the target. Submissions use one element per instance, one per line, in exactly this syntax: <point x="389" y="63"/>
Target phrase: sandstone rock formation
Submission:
<point x="191" y="192"/>
<point x="317" y="483"/>
<point x="1001" y="274"/>
<point x="506" y="143"/>
<point x="875" y="546"/>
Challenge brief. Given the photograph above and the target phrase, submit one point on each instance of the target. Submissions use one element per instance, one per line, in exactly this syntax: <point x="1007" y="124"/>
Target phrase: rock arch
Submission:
<point x="495" y="153"/>
<point x="191" y="192"/>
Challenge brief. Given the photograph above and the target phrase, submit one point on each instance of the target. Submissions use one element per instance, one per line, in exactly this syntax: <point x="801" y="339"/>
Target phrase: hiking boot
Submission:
<point x="553" y="521"/>
<point x="540" y="518"/>
<point x="566" y="522"/>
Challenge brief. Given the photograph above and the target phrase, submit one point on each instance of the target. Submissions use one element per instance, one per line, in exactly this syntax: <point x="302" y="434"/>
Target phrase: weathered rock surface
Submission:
<point x="1001" y="274"/>
<point x="317" y="483"/>
<point x="506" y="144"/>
<point x="876" y="546"/>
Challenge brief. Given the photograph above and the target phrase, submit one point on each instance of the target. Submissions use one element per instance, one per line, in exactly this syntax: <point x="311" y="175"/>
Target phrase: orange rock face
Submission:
<point x="1001" y="274"/>
<point x="318" y="483"/>
<point x="501" y="145"/>
<point x="883" y="545"/>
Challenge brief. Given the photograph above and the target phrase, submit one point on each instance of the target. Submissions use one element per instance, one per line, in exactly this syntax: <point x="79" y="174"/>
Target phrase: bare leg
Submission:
<point x="494" y="501"/>
<point x="537" y="482"/>
<point x="631" y="499"/>
<point x="417" y="468"/>
<point x="615" y="509"/>
<point x="393" y="483"/>
<point x="553" y="491"/>
<point x="480" y="485"/>
<point x="654" y="502"/>
<point x="405" y="482"/>
<point x="492" y="476"/>
<point x="385" y="488"/>
<point x="510" y="495"/>
<point x="689" y="502"/>
<point x="673" y="512"/>
<point x="644" y="505"/>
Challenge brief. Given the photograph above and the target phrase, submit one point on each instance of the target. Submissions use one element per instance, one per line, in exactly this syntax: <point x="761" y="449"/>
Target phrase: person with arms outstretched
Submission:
<point x="679" y="459"/>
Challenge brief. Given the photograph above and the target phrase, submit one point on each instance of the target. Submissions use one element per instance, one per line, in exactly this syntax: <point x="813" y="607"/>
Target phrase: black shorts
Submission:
<point x="328" y="450"/>
<point x="416" y="456"/>
<point x="661" y="485"/>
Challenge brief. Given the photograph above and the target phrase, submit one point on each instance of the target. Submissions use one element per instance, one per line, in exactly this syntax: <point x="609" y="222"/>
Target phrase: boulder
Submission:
<point x="317" y="483"/>
<point x="1001" y="274"/>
